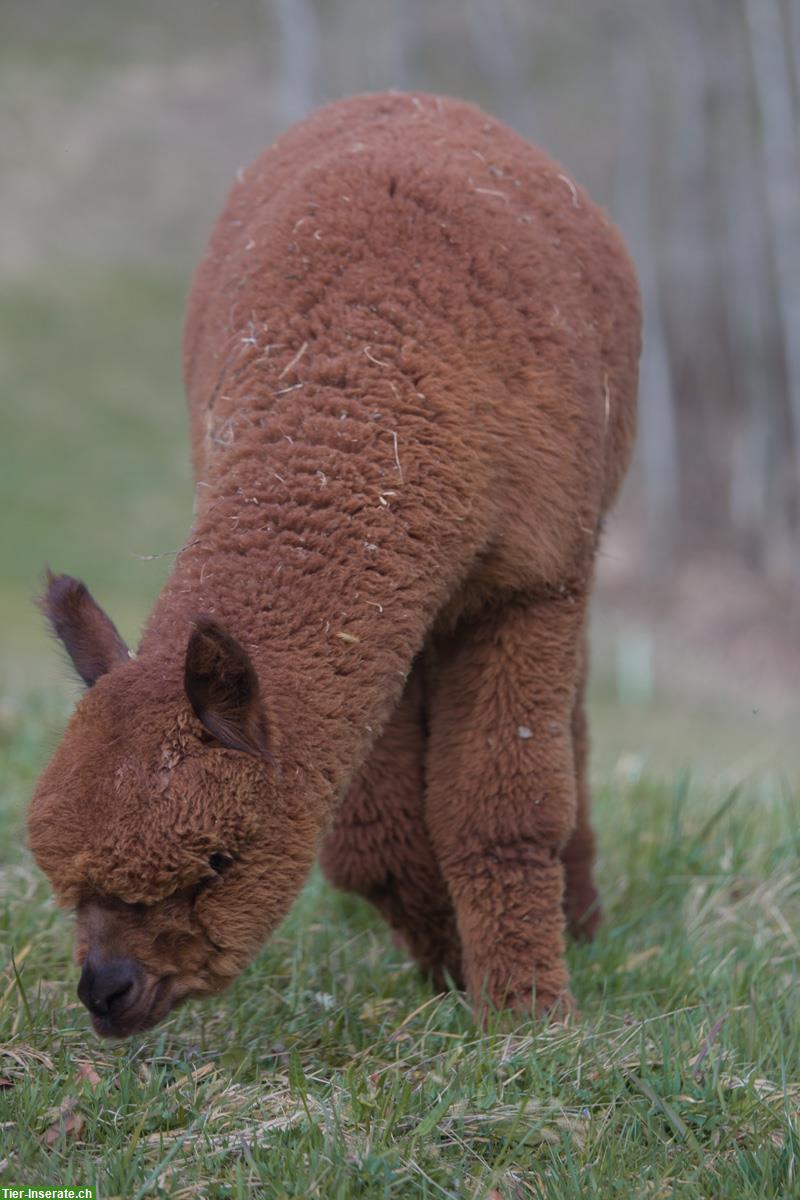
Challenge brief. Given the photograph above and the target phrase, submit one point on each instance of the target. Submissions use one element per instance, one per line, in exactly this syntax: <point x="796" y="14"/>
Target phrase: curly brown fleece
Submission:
<point x="411" y="359"/>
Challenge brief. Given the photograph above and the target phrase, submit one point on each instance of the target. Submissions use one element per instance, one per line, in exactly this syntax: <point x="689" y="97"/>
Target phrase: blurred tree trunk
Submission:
<point x="492" y="42"/>
<point x="636" y="164"/>
<point x="756" y="501"/>
<point x="298" y="57"/>
<point x="690" y="267"/>
<point x="708" y="194"/>
<point x="495" y="32"/>
<point x="769" y="38"/>
<point x="405" y="43"/>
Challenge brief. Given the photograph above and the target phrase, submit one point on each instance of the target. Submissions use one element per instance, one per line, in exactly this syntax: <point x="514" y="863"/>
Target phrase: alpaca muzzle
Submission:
<point x="117" y="995"/>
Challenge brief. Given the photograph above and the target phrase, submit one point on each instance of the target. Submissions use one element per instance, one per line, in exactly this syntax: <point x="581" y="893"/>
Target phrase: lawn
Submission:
<point x="331" y="1070"/>
<point x="94" y="473"/>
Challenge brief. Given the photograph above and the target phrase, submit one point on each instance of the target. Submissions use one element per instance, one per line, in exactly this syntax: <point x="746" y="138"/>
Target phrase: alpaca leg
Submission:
<point x="380" y="848"/>
<point x="581" y="903"/>
<point x="501" y="795"/>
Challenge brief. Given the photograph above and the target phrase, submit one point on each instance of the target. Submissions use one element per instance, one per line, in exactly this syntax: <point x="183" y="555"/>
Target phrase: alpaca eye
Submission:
<point x="219" y="863"/>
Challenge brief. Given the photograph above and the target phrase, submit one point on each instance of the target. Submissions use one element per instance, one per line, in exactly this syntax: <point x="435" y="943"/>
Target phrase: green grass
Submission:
<point x="94" y="463"/>
<point x="90" y="362"/>
<point x="330" y="1070"/>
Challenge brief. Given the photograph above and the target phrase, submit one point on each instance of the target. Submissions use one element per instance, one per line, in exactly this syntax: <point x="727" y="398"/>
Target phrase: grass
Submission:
<point x="90" y="364"/>
<point x="331" y="1070"/>
<point x="82" y="466"/>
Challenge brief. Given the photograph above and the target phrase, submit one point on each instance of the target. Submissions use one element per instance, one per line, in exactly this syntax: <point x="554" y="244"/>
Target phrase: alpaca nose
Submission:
<point x="108" y="986"/>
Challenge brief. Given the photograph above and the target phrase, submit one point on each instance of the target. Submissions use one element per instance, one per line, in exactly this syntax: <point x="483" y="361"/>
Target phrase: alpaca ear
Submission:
<point x="88" y="635"/>
<point x="222" y="687"/>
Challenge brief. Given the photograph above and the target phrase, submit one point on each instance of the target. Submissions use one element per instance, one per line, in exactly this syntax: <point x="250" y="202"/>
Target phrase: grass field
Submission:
<point x="330" y="1070"/>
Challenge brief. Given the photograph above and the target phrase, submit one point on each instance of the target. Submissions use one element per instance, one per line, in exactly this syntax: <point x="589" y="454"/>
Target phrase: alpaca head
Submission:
<point x="160" y="819"/>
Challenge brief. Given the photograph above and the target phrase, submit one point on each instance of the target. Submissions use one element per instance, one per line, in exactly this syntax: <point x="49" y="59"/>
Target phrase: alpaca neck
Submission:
<point x="312" y="557"/>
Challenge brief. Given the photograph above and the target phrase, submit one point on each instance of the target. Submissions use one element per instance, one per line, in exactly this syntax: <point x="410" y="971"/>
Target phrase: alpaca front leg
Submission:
<point x="501" y="795"/>
<point x="380" y="848"/>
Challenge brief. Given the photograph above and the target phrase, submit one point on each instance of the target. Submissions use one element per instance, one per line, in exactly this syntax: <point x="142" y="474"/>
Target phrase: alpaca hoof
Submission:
<point x="583" y="927"/>
<point x="560" y="1009"/>
<point x="556" y="1008"/>
<point x="445" y="977"/>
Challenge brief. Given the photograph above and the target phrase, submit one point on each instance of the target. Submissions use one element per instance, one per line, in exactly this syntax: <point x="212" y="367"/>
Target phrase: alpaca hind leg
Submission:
<point x="380" y="848"/>
<point x="581" y="901"/>
<point x="500" y="798"/>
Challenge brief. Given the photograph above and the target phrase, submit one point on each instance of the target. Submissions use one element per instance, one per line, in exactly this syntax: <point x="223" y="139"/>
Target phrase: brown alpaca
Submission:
<point x="410" y="356"/>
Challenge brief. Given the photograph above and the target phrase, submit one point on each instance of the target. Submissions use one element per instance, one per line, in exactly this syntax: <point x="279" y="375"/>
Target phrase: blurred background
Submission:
<point x="121" y="127"/>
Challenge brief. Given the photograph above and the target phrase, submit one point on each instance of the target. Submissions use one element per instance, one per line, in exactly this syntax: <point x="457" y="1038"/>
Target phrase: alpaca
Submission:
<point x="410" y="357"/>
